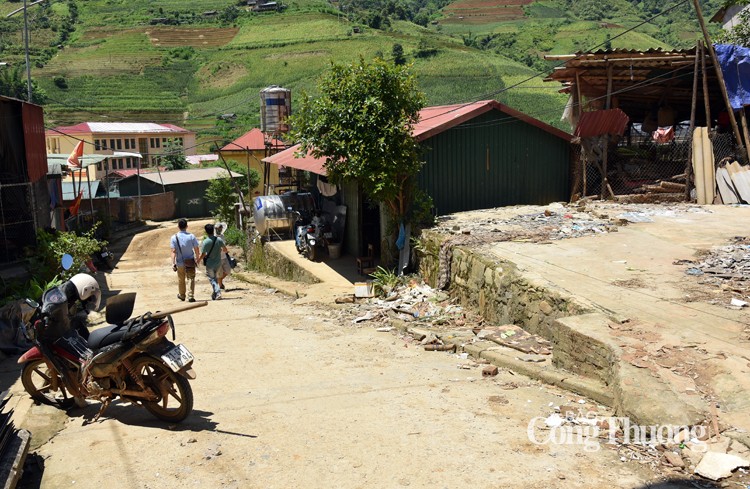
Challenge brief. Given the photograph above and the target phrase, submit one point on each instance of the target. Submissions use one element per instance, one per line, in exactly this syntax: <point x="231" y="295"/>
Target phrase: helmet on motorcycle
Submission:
<point x="88" y="290"/>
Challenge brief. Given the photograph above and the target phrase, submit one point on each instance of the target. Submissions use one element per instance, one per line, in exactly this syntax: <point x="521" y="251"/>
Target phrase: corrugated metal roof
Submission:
<point x="253" y="140"/>
<point x="130" y="127"/>
<point x="118" y="128"/>
<point x="197" y="159"/>
<point x="306" y="163"/>
<point x="432" y="121"/>
<point x="597" y="123"/>
<point x="85" y="160"/>
<point x="185" y="176"/>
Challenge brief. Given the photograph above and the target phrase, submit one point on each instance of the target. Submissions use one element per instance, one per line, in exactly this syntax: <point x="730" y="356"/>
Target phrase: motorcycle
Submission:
<point x="103" y="259"/>
<point x="131" y="359"/>
<point x="312" y="238"/>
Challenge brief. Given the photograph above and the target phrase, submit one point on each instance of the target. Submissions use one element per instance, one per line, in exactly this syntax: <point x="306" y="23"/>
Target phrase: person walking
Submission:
<point x="211" y="250"/>
<point x="184" y="250"/>
<point x="225" y="269"/>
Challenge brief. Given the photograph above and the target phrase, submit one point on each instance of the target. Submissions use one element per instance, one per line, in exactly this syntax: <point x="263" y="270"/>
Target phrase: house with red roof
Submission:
<point x="477" y="155"/>
<point x="250" y="149"/>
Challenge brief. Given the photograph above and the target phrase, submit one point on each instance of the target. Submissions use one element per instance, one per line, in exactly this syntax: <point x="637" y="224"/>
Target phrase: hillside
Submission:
<point x="104" y="60"/>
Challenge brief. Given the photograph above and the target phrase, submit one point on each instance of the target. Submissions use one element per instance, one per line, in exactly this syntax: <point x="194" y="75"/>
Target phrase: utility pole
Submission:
<point x="26" y="41"/>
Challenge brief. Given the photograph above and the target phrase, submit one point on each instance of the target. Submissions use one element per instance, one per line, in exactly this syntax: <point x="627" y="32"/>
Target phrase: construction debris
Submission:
<point x="716" y="465"/>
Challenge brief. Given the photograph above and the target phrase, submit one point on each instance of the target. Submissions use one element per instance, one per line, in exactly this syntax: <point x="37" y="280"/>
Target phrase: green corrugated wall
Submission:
<point x="494" y="160"/>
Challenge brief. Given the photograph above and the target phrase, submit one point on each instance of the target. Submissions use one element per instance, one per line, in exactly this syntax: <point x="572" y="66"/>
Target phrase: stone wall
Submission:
<point x="500" y="294"/>
<point x="263" y="258"/>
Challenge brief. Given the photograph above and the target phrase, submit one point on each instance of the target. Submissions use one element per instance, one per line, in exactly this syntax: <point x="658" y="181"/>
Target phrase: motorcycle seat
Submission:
<point x="106" y="335"/>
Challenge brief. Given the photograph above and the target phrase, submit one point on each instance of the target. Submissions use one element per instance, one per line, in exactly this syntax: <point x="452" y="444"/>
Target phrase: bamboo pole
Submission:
<point x="693" y="104"/>
<point x="605" y="153"/>
<point x="706" y="98"/>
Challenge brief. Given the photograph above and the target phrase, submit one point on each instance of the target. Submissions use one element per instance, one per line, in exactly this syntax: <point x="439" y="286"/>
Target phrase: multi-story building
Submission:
<point x="149" y="139"/>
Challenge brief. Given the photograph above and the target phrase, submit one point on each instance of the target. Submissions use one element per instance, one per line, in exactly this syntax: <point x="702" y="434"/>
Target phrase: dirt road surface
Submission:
<point x="298" y="396"/>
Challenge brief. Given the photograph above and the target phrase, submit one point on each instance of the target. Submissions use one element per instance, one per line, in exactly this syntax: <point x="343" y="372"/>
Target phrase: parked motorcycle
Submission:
<point x="131" y="359"/>
<point x="314" y="237"/>
<point x="103" y="259"/>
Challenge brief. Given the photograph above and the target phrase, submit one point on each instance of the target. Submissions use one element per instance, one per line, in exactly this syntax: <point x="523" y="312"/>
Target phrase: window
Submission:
<point x="53" y="144"/>
<point x="99" y="166"/>
<point x="119" y="144"/>
<point x="164" y="140"/>
<point x="128" y="162"/>
<point x="97" y="144"/>
<point x="111" y="144"/>
<point x="155" y="143"/>
<point x="129" y="143"/>
<point x="179" y="140"/>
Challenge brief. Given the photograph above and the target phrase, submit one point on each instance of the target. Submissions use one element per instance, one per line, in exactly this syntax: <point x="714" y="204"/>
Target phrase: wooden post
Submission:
<point x="704" y="75"/>
<point x="745" y="130"/>
<point x="720" y="76"/>
<point x="694" y="103"/>
<point x="605" y="153"/>
<point x="578" y="107"/>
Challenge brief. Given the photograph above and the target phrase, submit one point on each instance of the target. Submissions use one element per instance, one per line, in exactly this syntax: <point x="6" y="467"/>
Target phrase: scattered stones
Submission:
<point x="715" y="465"/>
<point x="674" y="459"/>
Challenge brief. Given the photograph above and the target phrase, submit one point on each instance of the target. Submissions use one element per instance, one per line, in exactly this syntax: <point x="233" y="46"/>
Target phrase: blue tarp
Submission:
<point x="735" y="66"/>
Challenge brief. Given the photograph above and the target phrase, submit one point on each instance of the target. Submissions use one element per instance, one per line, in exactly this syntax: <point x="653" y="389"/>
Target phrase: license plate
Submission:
<point x="178" y="357"/>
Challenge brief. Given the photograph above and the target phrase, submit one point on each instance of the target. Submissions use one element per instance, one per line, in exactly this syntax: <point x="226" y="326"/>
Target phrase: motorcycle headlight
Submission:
<point x="312" y="242"/>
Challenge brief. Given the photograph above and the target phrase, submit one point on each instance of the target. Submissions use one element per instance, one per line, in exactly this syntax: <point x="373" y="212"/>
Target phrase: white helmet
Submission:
<point x="88" y="290"/>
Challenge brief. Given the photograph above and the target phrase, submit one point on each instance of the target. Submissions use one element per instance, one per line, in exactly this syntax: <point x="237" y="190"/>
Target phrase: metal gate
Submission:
<point x="17" y="220"/>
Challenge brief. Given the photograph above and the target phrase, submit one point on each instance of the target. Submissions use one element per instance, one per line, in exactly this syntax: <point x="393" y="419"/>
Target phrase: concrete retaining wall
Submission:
<point x="263" y="258"/>
<point x="497" y="291"/>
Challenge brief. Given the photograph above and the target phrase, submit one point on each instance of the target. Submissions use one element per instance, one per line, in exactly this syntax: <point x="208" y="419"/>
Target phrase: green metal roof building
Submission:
<point x="189" y="187"/>
<point x="485" y="154"/>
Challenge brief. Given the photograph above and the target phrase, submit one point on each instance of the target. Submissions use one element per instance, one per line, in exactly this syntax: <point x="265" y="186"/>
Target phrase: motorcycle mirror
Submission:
<point x="66" y="261"/>
<point x="32" y="303"/>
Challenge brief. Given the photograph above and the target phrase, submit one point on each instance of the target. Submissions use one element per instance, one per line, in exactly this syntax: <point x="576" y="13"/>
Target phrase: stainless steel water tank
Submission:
<point x="275" y="107"/>
<point x="271" y="212"/>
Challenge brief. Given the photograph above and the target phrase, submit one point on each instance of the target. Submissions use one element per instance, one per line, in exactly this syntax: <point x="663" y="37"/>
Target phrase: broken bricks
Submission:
<point x="489" y="371"/>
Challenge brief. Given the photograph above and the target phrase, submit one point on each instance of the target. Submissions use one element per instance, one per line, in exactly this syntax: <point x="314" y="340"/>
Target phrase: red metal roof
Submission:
<point x="306" y="163"/>
<point x="253" y="140"/>
<point x="432" y="121"/>
<point x="599" y="122"/>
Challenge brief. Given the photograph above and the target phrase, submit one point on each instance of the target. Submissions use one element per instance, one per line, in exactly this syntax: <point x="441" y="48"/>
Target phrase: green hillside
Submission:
<point x="106" y="60"/>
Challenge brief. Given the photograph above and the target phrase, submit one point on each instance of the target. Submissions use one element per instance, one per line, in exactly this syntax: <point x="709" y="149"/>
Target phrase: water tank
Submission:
<point x="271" y="212"/>
<point x="275" y="107"/>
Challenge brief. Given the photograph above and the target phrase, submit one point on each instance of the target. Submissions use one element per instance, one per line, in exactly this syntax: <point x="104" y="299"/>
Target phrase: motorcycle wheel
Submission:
<point x="313" y="253"/>
<point x="175" y="395"/>
<point x="37" y="379"/>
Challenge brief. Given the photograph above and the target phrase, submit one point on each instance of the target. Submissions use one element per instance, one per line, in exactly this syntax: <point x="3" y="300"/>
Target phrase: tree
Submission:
<point x="174" y="155"/>
<point x="362" y="124"/>
<point x="398" y="55"/>
<point x="221" y="192"/>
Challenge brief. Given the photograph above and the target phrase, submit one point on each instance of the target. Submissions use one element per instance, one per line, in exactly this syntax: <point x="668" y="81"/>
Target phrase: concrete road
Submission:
<point x="295" y="395"/>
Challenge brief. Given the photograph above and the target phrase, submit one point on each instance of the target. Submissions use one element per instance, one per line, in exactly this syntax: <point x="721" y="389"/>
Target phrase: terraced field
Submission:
<point x="484" y="11"/>
<point x="191" y="36"/>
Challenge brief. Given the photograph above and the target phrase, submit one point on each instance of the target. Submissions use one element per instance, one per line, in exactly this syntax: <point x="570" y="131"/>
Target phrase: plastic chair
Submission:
<point x="365" y="262"/>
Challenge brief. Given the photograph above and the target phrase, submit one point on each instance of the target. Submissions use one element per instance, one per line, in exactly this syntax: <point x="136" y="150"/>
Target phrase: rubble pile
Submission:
<point x="557" y="221"/>
<point x="419" y="303"/>
<point x="726" y="267"/>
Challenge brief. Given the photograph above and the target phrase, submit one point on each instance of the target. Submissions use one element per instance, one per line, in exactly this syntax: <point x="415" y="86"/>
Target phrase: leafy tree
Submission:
<point x="221" y="192"/>
<point x="174" y="155"/>
<point x="398" y="55"/>
<point x="362" y="124"/>
<point x="13" y="84"/>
